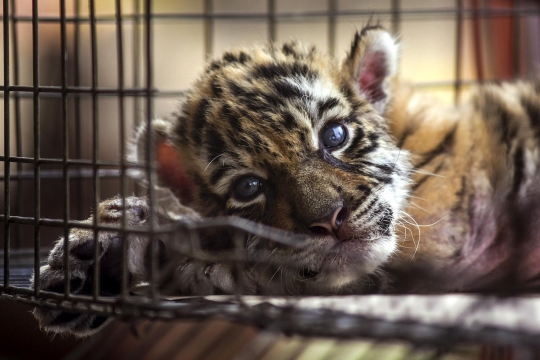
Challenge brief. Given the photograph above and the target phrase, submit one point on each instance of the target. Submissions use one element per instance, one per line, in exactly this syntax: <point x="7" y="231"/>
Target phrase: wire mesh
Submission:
<point x="77" y="166"/>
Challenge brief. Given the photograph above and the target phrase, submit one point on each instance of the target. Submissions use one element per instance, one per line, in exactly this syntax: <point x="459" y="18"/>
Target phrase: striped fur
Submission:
<point x="261" y="111"/>
<point x="472" y="210"/>
<point x="441" y="198"/>
<point x="477" y="186"/>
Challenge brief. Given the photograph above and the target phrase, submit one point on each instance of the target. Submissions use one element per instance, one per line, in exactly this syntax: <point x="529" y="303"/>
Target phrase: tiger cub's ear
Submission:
<point x="371" y="63"/>
<point x="171" y="169"/>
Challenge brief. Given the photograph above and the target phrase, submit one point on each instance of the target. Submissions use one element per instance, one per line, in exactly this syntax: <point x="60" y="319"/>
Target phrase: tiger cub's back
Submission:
<point x="476" y="191"/>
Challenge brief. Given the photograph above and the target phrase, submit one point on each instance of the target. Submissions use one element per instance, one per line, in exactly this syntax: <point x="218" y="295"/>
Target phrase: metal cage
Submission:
<point x="54" y="170"/>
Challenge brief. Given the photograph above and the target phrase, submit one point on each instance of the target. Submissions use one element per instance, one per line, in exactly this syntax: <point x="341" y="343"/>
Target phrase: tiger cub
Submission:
<point x="384" y="182"/>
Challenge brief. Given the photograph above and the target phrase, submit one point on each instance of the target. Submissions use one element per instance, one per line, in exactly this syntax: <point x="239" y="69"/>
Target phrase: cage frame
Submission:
<point x="126" y="306"/>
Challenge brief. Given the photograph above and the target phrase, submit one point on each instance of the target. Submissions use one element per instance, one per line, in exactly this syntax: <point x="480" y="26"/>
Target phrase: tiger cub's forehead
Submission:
<point x="269" y="102"/>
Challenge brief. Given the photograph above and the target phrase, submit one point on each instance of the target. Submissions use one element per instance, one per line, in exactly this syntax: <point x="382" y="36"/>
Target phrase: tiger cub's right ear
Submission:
<point x="371" y="63"/>
<point x="171" y="168"/>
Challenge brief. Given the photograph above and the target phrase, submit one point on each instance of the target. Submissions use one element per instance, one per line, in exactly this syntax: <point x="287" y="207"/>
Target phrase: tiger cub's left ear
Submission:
<point x="371" y="63"/>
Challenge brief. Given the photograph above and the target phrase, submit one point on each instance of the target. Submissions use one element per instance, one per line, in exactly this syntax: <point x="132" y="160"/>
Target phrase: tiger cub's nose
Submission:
<point x="329" y="224"/>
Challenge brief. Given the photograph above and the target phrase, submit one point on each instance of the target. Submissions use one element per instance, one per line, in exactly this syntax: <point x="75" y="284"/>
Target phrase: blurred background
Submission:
<point x="447" y="47"/>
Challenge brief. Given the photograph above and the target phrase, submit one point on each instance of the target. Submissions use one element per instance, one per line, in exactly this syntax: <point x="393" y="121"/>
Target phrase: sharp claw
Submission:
<point x="208" y="270"/>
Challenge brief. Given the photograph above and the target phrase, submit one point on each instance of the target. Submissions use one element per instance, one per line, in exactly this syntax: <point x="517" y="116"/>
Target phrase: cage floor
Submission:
<point x="435" y="319"/>
<point x="21" y="267"/>
<point x="19" y="275"/>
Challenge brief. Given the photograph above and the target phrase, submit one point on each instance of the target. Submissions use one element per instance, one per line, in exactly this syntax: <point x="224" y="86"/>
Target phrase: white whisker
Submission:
<point x="425" y="172"/>
<point x="418" y="206"/>
<point x="419" y="232"/>
<point x="213" y="161"/>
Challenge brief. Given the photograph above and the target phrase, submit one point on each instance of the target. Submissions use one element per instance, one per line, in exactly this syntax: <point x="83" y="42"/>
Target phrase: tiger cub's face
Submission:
<point x="286" y="136"/>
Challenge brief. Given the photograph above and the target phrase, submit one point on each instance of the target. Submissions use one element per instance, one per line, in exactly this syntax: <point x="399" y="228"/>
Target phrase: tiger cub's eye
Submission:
<point x="247" y="188"/>
<point x="333" y="135"/>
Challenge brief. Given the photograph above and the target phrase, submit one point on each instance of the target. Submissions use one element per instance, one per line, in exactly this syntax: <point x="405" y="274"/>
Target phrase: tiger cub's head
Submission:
<point x="289" y="137"/>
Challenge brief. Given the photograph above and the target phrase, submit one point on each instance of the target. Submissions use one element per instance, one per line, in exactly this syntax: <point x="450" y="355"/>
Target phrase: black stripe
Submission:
<point x="260" y="103"/>
<point x="256" y="143"/>
<point x="218" y="174"/>
<point x="254" y="211"/>
<point x="352" y="149"/>
<point x="272" y="99"/>
<point x="363" y="188"/>
<point x="367" y="208"/>
<point x="214" y="65"/>
<point x="235" y="140"/>
<point x="288" y="49"/>
<point x="364" y="191"/>
<point x="277" y="127"/>
<point x="460" y="194"/>
<point x="519" y="170"/>
<point x="240" y="58"/>
<point x="444" y="146"/>
<point x="214" y="143"/>
<point x="351" y="96"/>
<point x="210" y="200"/>
<point x="533" y="112"/>
<point x="366" y="150"/>
<point x="199" y="120"/>
<point x="504" y="119"/>
<point x="355" y="169"/>
<point x="302" y="136"/>
<point x="217" y="91"/>
<point x="244" y="57"/>
<point x="425" y="177"/>
<point x="181" y="128"/>
<point x="372" y="146"/>
<point x="269" y="71"/>
<point x="386" y="169"/>
<point x="236" y="89"/>
<point x="289" y="121"/>
<point x="326" y="105"/>
<point x="287" y="90"/>
<point x="274" y="71"/>
<point x="408" y="132"/>
<point x="228" y="57"/>
<point x="230" y="117"/>
<point x="495" y="111"/>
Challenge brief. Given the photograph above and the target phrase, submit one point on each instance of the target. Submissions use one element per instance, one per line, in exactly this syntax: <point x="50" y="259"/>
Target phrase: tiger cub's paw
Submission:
<point x="81" y="265"/>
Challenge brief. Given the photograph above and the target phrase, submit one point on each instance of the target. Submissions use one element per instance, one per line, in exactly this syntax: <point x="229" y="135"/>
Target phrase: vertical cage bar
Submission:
<point x="137" y="19"/>
<point x="459" y="46"/>
<point x="136" y="58"/>
<point x="77" y="104"/>
<point x="37" y="145"/>
<point x="208" y="29"/>
<point x="17" y="116"/>
<point x="332" y="9"/>
<point x="150" y="147"/>
<point x="95" y="143"/>
<point x="7" y="144"/>
<point x="65" y="143"/>
<point x="517" y="39"/>
<point x="396" y="16"/>
<point x="272" y="31"/>
<point x="121" y="116"/>
<point x="477" y="41"/>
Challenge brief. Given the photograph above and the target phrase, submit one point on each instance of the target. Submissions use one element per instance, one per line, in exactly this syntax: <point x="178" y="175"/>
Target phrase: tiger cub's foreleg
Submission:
<point x="186" y="276"/>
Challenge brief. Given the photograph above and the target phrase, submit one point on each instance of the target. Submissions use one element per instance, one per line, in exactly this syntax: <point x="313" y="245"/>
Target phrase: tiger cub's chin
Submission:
<point x="350" y="263"/>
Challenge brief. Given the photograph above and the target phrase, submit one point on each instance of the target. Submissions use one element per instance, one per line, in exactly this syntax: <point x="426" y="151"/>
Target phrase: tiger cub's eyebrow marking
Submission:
<point x="326" y="104"/>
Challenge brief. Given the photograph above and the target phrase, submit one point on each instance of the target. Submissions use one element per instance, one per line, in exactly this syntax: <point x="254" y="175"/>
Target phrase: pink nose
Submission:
<point x="331" y="224"/>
